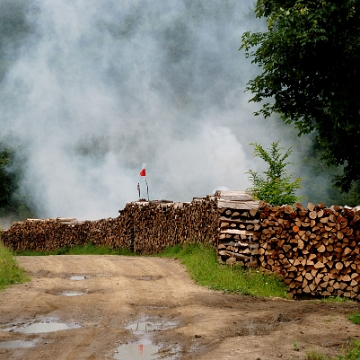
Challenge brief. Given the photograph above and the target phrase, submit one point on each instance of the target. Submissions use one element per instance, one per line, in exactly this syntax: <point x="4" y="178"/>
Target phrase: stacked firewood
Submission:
<point x="314" y="249"/>
<point x="54" y="234"/>
<point x="239" y="227"/>
<point x="160" y="224"/>
<point x="143" y="227"/>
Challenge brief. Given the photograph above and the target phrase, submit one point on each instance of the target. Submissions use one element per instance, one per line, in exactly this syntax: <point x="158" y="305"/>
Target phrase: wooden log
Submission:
<point x="234" y="254"/>
<point x="233" y="195"/>
<point x="241" y="205"/>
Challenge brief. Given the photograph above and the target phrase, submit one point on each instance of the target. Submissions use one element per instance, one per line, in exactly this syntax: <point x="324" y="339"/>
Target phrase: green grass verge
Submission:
<point x="351" y="352"/>
<point x="10" y="272"/>
<point x="89" y="249"/>
<point x="354" y="318"/>
<point x="202" y="265"/>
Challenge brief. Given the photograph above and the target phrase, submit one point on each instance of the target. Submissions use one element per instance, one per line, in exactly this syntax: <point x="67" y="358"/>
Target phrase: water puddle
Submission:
<point x="140" y="352"/>
<point x="79" y="277"/>
<point x="15" y="344"/>
<point x="72" y="293"/>
<point x="41" y="327"/>
<point x="149" y="325"/>
<point x="154" y="307"/>
<point x="144" y="349"/>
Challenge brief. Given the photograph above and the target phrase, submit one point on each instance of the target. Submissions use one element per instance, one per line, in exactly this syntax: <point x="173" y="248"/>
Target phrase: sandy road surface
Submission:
<point x="119" y="295"/>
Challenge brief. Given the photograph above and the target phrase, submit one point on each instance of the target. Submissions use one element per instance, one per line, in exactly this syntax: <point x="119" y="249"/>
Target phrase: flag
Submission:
<point x="143" y="170"/>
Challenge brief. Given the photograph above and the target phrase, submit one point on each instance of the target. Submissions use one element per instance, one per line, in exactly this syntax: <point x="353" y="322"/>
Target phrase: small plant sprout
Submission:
<point x="296" y="346"/>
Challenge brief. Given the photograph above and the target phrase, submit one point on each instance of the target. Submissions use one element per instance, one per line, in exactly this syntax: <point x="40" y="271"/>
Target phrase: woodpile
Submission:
<point x="54" y="234"/>
<point x="314" y="249"/>
<point x="239" y="225"/>
<point x="160" y="224"/>
<point x="143" y="227"/>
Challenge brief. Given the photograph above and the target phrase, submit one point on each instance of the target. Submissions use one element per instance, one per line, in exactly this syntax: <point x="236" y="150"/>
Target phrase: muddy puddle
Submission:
<point x="72" y="293"/>
<point x="17" y="344"/>
<point x="150" y="325"/>
<point x="140" y="351"/>
<point x="79" y="277"/>
<point x="143" y="348"/>
<point x="45" y="326"/>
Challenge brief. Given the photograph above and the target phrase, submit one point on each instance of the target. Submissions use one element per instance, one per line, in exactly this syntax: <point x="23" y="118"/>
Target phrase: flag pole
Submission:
<point x="138" y="188"/>
<point x="143" y="173"/>
<point x="147" y="189"/>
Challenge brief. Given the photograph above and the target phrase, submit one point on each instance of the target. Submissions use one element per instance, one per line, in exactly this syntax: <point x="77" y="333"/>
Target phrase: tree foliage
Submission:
<point x="310" y="60"/>
<point x="277" y="188"/>
<point x="13" y="204"/>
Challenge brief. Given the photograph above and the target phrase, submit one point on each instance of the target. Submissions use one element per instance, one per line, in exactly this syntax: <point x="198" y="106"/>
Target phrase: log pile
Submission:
<point x="239" y="227"/>
<point x="143" y="227"/>
<point x="54" y="234"/>
<point x="314" y="249"/>
<point x="160" y="224"/>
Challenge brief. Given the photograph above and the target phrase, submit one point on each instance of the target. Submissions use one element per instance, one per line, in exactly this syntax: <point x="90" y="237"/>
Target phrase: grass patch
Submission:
<point x="89" y="249"/>
<point x="335" y="299"/>
<point x="202" y="265"/>
<point x="354" y="318"/>
<point x="352" y="352"/>
<point x="10" y="272"/>
<point x="313" y="355"/>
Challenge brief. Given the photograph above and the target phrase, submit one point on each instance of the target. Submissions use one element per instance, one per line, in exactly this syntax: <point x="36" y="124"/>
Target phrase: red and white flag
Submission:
<point x="143" y="170"/>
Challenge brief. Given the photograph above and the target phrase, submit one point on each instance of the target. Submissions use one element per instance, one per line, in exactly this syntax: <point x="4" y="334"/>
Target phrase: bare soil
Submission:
<point x="117" y="291"/>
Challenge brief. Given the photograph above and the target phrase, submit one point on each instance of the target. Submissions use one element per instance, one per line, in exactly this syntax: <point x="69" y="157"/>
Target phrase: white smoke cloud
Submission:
<point x="99" y="87"/>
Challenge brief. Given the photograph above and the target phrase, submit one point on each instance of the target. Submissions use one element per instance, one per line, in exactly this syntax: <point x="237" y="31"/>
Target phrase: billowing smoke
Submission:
<point x="94" y="88"/>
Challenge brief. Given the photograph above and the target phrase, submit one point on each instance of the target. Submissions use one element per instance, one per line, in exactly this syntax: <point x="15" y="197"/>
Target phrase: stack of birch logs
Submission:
<point x="314" y="249"/>
<point x="239" y="227"/>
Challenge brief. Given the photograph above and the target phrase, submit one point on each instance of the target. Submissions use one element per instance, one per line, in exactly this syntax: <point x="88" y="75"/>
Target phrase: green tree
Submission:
<point x="277" y="188"/>
<point x="310" y="60"/>
<point x="14" y="204"/>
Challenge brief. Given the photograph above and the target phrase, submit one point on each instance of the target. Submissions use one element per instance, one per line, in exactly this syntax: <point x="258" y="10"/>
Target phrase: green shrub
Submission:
<point x="277" y="187"/>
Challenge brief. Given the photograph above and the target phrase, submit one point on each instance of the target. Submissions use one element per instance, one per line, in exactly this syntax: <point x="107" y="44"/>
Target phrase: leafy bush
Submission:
<point x="277" y="188"/>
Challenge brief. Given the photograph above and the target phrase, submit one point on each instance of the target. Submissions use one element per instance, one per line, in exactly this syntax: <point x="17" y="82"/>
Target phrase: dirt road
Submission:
<point x="115" y="307"/>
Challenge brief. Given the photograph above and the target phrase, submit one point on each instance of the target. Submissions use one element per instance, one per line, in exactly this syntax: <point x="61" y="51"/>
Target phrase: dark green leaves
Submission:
<point x="310" y="61"/>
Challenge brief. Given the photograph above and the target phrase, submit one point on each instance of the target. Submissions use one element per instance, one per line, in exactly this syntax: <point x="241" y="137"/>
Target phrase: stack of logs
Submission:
<point x="54" y="234"/>
<point x="160" y="224"/>
<point x="239" y="227"/>
<point x="315" y="250"/>
<point x="142" y="227"/>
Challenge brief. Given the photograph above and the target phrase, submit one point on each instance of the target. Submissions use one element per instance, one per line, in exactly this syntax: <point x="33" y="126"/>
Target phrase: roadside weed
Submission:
<point x="10" y="272"/>
<point x="354" y="318"/>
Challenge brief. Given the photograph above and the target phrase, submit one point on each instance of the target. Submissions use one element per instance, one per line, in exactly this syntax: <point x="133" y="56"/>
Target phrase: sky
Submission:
<point x="95" y="89"/>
